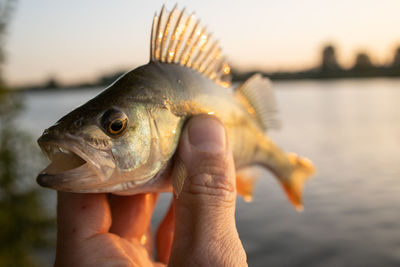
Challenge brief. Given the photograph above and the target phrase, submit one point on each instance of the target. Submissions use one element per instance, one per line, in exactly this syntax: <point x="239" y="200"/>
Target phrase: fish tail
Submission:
<point x="293" y="185"/>
<point x="257" y="97"/>
<point x="290" y="169"/>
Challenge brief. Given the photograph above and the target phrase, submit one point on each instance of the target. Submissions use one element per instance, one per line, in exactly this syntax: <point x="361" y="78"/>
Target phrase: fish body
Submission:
<point x="123" y="140"/>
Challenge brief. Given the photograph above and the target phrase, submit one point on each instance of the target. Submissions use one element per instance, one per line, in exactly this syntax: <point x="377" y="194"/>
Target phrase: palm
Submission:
<point x="114" y="230"/>
<point x="116" y="251"/>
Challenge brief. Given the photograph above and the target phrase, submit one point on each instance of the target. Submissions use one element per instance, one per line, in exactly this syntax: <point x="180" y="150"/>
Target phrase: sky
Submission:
<point x="76" y="41"/>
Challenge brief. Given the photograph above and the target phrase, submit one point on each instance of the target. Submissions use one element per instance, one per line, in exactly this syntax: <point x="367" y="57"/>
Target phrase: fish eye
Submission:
<point x="114" y="122"/>
<point x="116" y="126"/>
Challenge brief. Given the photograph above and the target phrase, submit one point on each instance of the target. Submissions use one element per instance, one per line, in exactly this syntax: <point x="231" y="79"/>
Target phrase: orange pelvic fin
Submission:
<point x="303" y="169"/>
<point x="245" y="180"/>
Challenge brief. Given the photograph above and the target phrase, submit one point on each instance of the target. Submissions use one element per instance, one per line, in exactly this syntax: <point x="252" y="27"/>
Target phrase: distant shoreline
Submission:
<point x="323" y="75"/>
<point x="289" y="77"/>
<point x="328" y="68"/>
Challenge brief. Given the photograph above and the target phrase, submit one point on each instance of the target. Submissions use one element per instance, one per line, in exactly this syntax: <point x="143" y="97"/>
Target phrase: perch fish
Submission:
<point x="123" y="140"/>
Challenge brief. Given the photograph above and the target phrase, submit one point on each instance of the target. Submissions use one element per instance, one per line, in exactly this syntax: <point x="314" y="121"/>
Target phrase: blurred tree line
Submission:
<point x="25" y="226"/>
<point x="362" y="66"/>
<point x="329" y="68"/>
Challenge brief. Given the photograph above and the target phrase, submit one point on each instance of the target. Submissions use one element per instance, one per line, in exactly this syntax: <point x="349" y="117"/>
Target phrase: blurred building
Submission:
<point x="329" y="61"/>
<point x="396" y="59"/>
<point x="363" y="62"/>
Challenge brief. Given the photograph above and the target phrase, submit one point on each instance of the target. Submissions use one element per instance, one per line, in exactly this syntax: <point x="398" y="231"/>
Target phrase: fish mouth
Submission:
<point x="62" y="159"/>
<point x="69" y="168"/>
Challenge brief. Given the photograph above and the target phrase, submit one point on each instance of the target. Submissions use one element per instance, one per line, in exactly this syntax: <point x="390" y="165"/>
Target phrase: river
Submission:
<point x="351" y="131"/>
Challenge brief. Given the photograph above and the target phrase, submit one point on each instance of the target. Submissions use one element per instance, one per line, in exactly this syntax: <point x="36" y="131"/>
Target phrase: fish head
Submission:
<point x="100" y="147"/>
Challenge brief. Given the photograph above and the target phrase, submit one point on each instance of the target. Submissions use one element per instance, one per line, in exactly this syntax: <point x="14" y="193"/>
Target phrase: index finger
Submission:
<point x="81" y="216"/>
<point x="131" y="215"/>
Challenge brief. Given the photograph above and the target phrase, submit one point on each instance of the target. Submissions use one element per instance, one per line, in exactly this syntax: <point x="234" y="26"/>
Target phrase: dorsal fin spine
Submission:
<point x="186" y="52"/>
<point x="217" y="60"/>
<point x="153" y="36"/>
<point x="159" y="34"/>
<point x="195" y="47"/>
<point x="176" y="58"/>
<point x="177" y="38"/>
<point x="203" y="63"/>
<point x="202" y="52"/>
<point x="213" y="61"/>
<point x="166" y="36"/>
<point x="172" y="48"/>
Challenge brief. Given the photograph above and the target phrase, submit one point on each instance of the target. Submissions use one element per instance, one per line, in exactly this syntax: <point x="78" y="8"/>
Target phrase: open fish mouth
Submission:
<point x="68" y="169"/>
<point x="62" y="159"/>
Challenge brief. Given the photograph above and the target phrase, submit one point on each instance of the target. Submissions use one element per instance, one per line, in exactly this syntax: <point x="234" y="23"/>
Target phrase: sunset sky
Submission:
<point x="79" y="40"/>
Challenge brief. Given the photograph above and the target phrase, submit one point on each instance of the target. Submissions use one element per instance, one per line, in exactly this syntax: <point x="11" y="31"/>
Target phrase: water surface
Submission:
<point x="351" y="131"/>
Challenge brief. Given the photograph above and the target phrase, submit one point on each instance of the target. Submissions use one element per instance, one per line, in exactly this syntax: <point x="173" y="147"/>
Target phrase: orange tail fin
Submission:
<point x="303" y="169"/>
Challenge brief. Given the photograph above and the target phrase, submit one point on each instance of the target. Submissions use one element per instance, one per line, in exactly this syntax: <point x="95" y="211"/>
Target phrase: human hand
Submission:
<point x="198" y="230"/>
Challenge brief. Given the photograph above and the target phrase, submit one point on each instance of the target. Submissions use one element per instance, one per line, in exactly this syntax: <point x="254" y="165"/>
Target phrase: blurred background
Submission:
<point x="335" y="66"/>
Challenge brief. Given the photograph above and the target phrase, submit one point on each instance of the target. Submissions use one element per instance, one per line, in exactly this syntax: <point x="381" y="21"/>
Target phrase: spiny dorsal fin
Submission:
<point x="178" y="38"/>
<point x="257" y="96"/>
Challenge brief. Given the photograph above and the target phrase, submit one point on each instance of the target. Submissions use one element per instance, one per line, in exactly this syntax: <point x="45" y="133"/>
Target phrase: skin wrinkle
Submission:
<point x="210" y="179"/>
<point x="213" y="164"/>
<point x="228" y="246"/>
<point x="210" y="185"/>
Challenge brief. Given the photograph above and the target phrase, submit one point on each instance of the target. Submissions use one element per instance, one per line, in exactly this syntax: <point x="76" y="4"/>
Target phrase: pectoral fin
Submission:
<point x="245" y="181"/>
<point x="178" y="176"/>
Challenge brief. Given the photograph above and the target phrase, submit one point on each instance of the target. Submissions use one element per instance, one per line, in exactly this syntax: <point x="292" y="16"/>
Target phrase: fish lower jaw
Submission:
<point x="72" y="180"/>
<point x="157" y="183"/>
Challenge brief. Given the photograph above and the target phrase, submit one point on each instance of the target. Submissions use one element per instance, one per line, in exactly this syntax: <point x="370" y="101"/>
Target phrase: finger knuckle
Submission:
<point x="212" y="180"/>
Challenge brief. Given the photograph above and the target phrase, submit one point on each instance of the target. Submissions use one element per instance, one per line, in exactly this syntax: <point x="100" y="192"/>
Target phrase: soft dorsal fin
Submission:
<point x="178" y="38"/>
<point x="257" y="96"/>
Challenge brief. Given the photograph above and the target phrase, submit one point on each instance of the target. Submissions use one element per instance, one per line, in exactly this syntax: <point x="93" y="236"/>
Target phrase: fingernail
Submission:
<point x="207" y="134"/>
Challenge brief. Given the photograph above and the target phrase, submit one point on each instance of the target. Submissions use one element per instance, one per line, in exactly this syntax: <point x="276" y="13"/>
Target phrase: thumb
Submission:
<point x="205" y="229"/>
